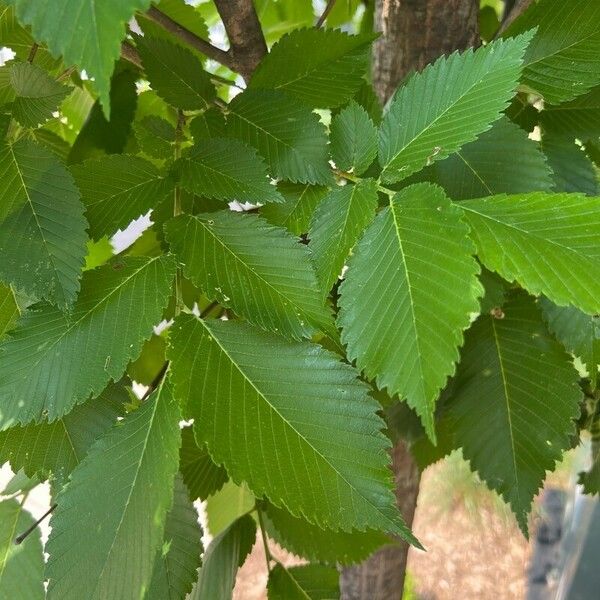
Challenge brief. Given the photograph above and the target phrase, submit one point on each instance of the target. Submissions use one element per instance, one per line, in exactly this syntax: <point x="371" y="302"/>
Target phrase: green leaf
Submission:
<point x="577" y="332"/>
<point x="287" y="134"/>
<point x="322" y="67"/>
<point x="321" y="545"/>
<point x="175" y="567"/>
<point x="59" y="447"/>
<point x="590" y="479"/>
<point x="22" y="565"/>
<point x="150" y="362"/>
<point x="9" y="309"/>
<point x="42" y="228"/>
<point x="156" y="136"/>
<point x="308" y="582"/>
<point x="548" y="243"/>
<point x="337" y="224"/>
<point x="119" y="495"/>
<point x="176" y="74"/>
<point x="515" y="397"/>
<point x="37" y="95"/>
<point x="209" y="124"/>
<point x="295" y="212"/>
<point x="409" y="293"/>
<point x="87" y="34"/>
<point x="225" y="554"/>
<point x="20" y="483"/>
<point x="353" y="139"/>
<point x="308" y="391"/>
<point x="563" y="59"/>
<point x="579" y="118"/>
<point x="225" y="170"/>
<point x="227" y="505"/>
<point x="118" y="189"/>
<point x="489" y="165"/>
<point x="447" y="105"/>
<point x="54" y="361"/>
<point x="259" y="270"/>
<point x="201" y="475"/>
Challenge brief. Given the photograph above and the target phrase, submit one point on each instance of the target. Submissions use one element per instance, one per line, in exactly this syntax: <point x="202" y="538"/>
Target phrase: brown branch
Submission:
<point x="516" y="10"/>
<point x="325" y="14"/>
<point x="246" y="39"/>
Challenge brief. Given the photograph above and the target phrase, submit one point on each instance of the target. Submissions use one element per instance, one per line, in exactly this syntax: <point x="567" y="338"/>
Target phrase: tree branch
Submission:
<point x="325" y="14"/>
<point x="130" y="54"/>
<point x="512" y="11"/>
<point x="246" y="39"/>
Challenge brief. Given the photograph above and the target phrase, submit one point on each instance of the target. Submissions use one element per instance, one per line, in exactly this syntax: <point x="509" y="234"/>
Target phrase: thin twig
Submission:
<point x="65" y="74"/>
<point x="268" y="555"/>
<point x="156" y="381"/>
<point x="207" y="310"/>
<point x="325" y="14"/>
<point x="20" y="538"/>
<point x="32" y="52"/>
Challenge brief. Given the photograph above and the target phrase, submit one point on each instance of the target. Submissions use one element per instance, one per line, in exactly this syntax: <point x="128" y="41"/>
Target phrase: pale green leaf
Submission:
<point x="447" y="105"/>
<point x="247" y="385"/>
<point x="53" y="361"/>
<point x="227" y="505"/>
<point x="225" y="170"/>
<point x="42" y="228"/>
<point x="337" y="224"/>
<point x="85" y="33"/>
<point x="409" y="293"/>
<point x="9" y="310"/>
<point x="21" y="566"/>
<point x="322" y="67"/>
<point x="20" y="483"/>
<point x="307" y="582"/>
<point x="287" y="134"/>
<point x="353" y="139"/>
<point x="258" y="270"/>
<point x="118" y="189"/>
<point x="548" y="243"/>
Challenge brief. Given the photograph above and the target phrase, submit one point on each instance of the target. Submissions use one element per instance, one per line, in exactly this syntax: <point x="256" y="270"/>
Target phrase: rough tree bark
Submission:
<point x="414" y="33"/>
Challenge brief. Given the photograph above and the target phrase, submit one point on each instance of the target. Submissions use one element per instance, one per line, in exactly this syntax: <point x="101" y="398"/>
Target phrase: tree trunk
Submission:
<point x="414" y="33"/>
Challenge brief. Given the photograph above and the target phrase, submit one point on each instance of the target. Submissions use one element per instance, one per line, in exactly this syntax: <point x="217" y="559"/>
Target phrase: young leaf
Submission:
<point x="110" y="519"/>
<point x="287" y="134"/>
<point x="227" y="505"/>
<point x="353" y="139"/>
<point x="176" y="74"/>
<point x="563" y="58"/>
<point x="21" y="565"/>
<point x="37" y="95"/>
<point x="55" y="360"/>
<point x="225" y="170"/>
<point x="322" y="67"/>
<point x="87" y="34"/>
<point x="409" y="293"/>
<point x="59" y="447"/>
<point x="118" y="189"/>
<point x="307" y="582"/>
<point x="548" y="243"/>
<point x="225" y="554"/>
<point x="175" y="567"/>
<point x="514" y="402"/>
<point x="308" y="391"/>
<point x="337" y="224"/>
<point x="259" y="270"/>
<point x="42" y="228"/>
<point x="447" y="105"/>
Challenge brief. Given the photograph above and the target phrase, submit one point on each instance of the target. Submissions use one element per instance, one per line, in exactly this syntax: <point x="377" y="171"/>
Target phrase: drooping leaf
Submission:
<point x="21" y="565"/>
<point x="227" y="505"/>
<point x="85" y="33"/>
<point x="410" y="289"/>
<point x="225" y="170"/>
<point x="60" y="446"/>
<point x="563" y="58"/>
<point x="295" y="212"/>
<point x="56" y="360"/>
<point x="175" y="567"/>
<point x="337" y="224"/>
<point x="286" y="133"/>
<point x="353" y="139"/>
<point x="578" y="118"/>
<point x="514" y="402"/>
<point x="577" y="332"/>
<point x="307" y="582"/>
<point x="548" y="243"/>
<point x="176" y="74"/>
<point x="201" y="475"/>
<point x="37" y="95"/>
<point x="322" y="67"/>
<point x="259" y="270"/>
<point x="42" y="228"/>
<point x="9" y="309"/>
<point x="225" y="554"/>
<point x="447" y="105"/>
<point x="294" y="464"/>
<point x="117" y="189"/>
<point x="120" y="494"/>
